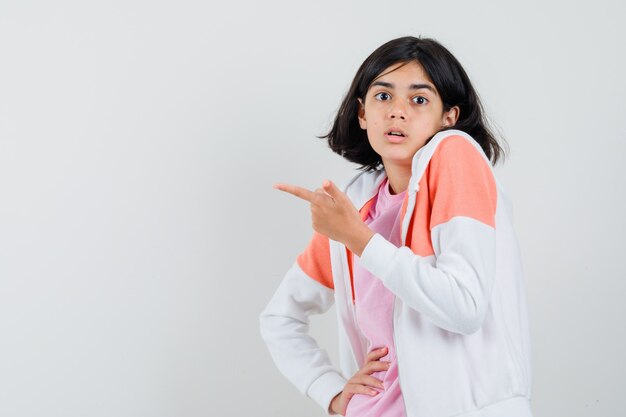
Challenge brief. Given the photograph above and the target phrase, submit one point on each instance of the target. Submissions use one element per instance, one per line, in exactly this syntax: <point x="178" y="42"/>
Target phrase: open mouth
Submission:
<point x="394" y="131"/>
<point x="395" y="135"/>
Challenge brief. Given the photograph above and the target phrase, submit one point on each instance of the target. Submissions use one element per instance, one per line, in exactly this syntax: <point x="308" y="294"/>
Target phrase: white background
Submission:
<point x="140" y="236"/>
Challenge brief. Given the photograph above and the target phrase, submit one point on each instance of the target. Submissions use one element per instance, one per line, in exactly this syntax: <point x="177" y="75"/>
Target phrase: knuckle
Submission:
<point x="366" y="390"/>
<point x="317" y="199"/>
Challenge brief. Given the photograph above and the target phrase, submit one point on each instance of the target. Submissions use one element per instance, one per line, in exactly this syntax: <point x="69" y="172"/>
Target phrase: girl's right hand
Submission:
<point x="361" y="382"/>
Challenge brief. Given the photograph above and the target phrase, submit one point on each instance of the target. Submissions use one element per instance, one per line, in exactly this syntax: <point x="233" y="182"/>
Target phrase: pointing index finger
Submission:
<point x="300" y="192"/>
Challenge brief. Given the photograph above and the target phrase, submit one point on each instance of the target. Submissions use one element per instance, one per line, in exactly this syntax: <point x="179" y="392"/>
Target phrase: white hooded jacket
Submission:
<point x="460" y="319"/>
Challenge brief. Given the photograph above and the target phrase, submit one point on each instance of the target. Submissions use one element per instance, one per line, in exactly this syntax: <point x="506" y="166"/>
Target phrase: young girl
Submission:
<point x="418" y="253"/>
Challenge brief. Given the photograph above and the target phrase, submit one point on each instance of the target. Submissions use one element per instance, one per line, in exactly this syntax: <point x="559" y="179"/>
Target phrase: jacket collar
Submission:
<point x="363" y="187"/>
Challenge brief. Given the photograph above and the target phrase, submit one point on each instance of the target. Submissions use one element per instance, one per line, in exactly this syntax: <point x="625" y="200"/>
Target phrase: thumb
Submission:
<point x="332" y="189"/>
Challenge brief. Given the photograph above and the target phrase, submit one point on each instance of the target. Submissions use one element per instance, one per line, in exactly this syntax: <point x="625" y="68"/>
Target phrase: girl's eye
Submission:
<point x="420" y="100"/>
<point x="382" y="96"/>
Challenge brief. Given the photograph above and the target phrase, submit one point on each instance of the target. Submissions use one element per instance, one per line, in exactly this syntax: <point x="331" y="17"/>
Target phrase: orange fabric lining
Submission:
<point x="418" y="232"/>
<point x="460" y="183"/>
<point x="456" y="182"/>
<point x="315" y="260"/>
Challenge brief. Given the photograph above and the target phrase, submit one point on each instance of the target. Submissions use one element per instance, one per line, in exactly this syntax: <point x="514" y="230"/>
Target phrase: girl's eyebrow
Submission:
<point x="411" y="87"/>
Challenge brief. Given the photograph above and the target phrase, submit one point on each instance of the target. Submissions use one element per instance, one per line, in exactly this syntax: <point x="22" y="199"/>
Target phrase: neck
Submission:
<point x="399" y="176"/>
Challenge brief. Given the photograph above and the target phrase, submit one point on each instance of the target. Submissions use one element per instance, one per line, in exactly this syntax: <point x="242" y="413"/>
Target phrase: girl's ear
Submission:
<point x="450" y="117"/>
<point x="361" y="114"/>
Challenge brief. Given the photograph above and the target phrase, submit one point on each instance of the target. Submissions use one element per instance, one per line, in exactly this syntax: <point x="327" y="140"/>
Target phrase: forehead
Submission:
<point x="411" y="72"/>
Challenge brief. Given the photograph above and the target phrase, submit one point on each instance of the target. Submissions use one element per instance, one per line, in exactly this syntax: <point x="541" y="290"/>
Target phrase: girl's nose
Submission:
<point x="397" y="111"/>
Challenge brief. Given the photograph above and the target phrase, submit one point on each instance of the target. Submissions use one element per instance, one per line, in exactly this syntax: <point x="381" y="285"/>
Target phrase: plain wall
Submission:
<point x="140" y="236"/>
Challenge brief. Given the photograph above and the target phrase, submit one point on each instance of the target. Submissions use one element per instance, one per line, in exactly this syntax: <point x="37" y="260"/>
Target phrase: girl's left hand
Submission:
<point x="333" y="215"/>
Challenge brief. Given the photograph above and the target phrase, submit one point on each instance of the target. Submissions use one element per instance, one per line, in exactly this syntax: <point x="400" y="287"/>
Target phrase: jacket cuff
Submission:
<point x="378" y="255"/>
<point x="324" y="389"/>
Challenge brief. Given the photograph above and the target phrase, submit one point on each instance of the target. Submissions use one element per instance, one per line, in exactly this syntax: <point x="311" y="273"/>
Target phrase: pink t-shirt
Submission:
<point x="374" y="309"/>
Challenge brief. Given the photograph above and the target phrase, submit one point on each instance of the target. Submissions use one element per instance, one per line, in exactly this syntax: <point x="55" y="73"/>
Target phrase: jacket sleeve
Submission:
<point x="452" y="285"/>
<point x="306" y="289"/>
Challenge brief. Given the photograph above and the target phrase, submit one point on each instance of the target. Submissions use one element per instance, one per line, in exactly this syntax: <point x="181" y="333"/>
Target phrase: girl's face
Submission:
<point x="401" y="111"/>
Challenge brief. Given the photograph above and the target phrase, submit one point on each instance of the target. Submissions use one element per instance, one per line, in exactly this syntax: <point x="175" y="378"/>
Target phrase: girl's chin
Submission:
<point x="399" y="161"/>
